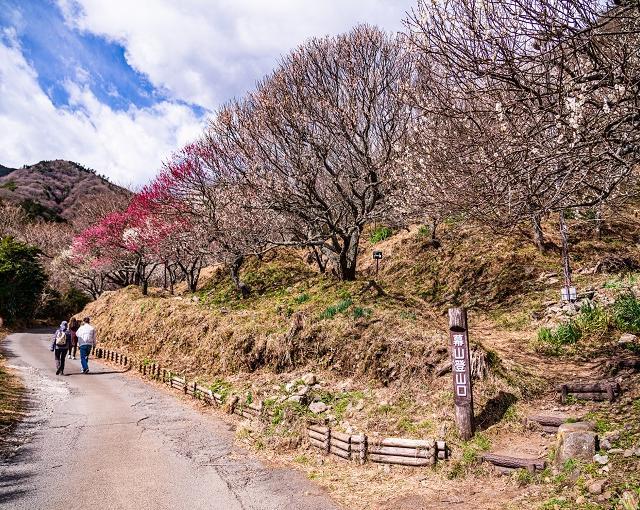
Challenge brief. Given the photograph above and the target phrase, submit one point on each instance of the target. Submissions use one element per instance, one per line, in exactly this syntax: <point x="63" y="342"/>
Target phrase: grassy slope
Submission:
<point x="377" y="355"/>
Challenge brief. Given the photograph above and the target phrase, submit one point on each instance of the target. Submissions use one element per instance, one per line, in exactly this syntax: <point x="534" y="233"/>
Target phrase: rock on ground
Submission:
<point x="575" y="441"/>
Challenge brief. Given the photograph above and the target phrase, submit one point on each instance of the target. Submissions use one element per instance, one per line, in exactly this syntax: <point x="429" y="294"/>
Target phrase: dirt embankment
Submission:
<point x="380" y="355"/>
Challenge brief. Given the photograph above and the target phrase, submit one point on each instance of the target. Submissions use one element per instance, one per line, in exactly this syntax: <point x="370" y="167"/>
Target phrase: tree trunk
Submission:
<point x="194" y="275"/>
<point x="317" y="256"/>
<point x="538" y="234"/>
<point x="566" y="266"/>
<point x="434" y="226"/>
<point x="599" y="221"/>
<point x="242" y="287"/>
<point x="348" y="256"/>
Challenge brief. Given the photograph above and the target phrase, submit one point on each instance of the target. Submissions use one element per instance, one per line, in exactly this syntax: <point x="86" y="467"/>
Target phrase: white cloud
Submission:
<point x="201" y="52"/>
<point x="128" y="146"/>
<point x="205" y="52"/>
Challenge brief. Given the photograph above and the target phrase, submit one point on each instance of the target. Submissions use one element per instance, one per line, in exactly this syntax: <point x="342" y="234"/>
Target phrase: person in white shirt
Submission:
<point x="86" y="341"/>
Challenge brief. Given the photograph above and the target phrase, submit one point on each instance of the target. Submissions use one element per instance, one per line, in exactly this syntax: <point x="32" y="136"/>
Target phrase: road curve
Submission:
<point x="107" y="440"/>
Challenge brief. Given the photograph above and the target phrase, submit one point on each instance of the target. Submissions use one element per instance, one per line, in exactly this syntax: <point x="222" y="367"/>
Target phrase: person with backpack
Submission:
<point x="60" y="346"/>
<point x="86" y="341"/>
<point x="74" y="324"/>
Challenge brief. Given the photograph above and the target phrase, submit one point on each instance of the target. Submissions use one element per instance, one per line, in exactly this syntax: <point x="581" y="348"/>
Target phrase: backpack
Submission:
<point x="61" y="339"/>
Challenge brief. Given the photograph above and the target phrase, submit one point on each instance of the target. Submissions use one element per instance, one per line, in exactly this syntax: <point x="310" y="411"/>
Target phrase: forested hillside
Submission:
<point x="54" y="190"/>
<point x="42" y="207"/>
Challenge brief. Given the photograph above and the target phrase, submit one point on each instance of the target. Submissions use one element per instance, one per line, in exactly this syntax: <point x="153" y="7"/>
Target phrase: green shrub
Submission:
<point x="424" y="231"/>
<point x="552" y="341"/>
<point x="359" y="312"/>
<point x="592" y="319"/>
<point x="619" y="283"/>
<point x="567" y="333"/>
<point x="222" y="388"/>
<point x="302" y="298"/>
<point x="22" y="280"/>
<point x="408" y="315"/>
<point x="380" y="234"/>
<point x="626" y="313"/>
<point x="60" y="306"/>
<point x="10" y="185"/>
<point x="332" y="310"/>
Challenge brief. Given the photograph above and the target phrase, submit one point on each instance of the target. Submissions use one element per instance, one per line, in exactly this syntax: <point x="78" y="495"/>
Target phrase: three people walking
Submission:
<point x="60" y="345"/>
<point x="71" y="336"/>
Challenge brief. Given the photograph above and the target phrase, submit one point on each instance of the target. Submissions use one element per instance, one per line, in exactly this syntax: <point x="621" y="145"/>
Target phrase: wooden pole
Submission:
<point x="461" y="369"/>
<point x="566" y="264"/>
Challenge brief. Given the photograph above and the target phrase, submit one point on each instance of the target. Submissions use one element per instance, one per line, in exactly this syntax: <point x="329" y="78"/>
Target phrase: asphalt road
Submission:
<point x="107" y="440"/>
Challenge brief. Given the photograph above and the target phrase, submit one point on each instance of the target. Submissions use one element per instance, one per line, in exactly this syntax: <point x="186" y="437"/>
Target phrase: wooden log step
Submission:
<point x="426" y="444"/>
<point x="202" y="389"/>
<point x="318" y="428"/>
<point x="442" y="450"/>
<point x="316" y="443"/>
<point x="340" y="444"/>
<point x="340" y="453"/>
<point x="358" y="439"/>
<point x="402" y="452"/>
<point x="341" y="436"/>
<point x="595" y="396"/>
<point x="548" y="420"/>
<point x="503" y="470"/>
<point x="629" y="363"/>
<point x="316" y="435"/>
<point x="404" y="461"/>
<point x="514" y="462"/>
<point x="590" y="387"/>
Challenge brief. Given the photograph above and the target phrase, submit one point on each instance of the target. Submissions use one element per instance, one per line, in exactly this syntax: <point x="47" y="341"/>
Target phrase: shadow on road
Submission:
<point x="105" y="372"/>
<point x="14" y="482"/>
<point x="12" y="486"/>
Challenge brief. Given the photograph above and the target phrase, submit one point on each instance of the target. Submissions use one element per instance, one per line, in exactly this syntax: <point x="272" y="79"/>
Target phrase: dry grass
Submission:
<point x="11" y="397"/>
<point x="375" y="355"/>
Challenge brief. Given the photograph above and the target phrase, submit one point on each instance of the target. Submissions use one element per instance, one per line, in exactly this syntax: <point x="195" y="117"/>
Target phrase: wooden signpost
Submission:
<point x="377" y="256"/>
<point x="461" y="369"/>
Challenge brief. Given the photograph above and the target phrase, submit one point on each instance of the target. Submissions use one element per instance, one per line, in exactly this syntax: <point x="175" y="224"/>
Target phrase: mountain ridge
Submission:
<point x="54" y="190"/>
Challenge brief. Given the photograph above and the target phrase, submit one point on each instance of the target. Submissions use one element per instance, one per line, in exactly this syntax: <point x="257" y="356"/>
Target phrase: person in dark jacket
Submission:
<point x="74" y="324"/>
<point x="60" y="345"/>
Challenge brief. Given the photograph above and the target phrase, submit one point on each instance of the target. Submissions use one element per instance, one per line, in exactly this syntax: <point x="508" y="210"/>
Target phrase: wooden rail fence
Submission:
<point x="359" y="448"/>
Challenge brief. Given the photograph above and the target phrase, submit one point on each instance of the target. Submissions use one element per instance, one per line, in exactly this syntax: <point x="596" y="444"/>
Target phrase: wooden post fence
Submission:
<point x="461" y="369"/>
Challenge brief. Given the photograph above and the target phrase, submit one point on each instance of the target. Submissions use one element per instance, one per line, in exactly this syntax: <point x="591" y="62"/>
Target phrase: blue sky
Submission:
<point x="118" y="85"/>
<point x="59" y="53"/>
